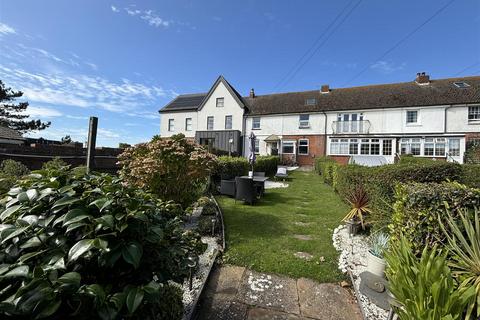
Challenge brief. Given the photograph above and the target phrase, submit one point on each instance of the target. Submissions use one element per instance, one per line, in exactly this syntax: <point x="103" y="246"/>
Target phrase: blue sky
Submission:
<point x="123" y="60"/>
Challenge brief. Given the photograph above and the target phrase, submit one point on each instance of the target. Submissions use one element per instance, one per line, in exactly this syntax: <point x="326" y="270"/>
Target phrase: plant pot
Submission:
<point x="353" y="226"/>
<point x="376" y="265"/>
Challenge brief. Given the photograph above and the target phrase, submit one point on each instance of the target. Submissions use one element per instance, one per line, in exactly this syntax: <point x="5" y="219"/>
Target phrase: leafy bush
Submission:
<point x="471" y="175"/>
<point x="205" y="225"/>
<point x="417" y="206"/>
<point x="231" y="167"/>
<point x="174" y="169"/>
<point x="55" y="164"/>
<point x="13" y="168"/>
<point x="424" y="287"/>
<point x="464" y="248"/>
<point x="379" y="182"/>
<point x="472" y="152"/>
<point x="267" y="164"/>
<point x="410" y="159"/>
<point x="89" y="246"/>
<point x="327" y="168"/>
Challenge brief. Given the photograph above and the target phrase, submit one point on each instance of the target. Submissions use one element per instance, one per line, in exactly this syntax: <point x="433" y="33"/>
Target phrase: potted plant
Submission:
<point x="378" y="246"/>
<point x="358" y="200"/>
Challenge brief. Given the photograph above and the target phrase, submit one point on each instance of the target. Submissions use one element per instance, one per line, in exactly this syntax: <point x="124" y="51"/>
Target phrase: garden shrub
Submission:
<point x="231" y="167"/>
<point x="379" y="182"/>
<point x="410" y="159"/>
<point x="13" y="168"/>
<point x="471" y="175"/>
<point x="175" y="169"/>
<point x="55" y="164"/>
<point x="76" y="245"/>
<point x="472" y="152"/>
<point x="267" y="164"/>
<point x="327" y="169"/>
<point x="205" y="225"/>
<point x="417" y="207"/>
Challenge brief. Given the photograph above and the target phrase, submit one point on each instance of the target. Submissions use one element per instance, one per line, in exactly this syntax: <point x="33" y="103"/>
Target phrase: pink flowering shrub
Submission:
<point x="174" y="168"/>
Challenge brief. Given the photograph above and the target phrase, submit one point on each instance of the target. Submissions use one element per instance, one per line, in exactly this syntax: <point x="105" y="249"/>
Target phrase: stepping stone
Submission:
<point x="303" y="255"/>
<point x="302" y="237"/>
<point x="220" y="309"/>
<point x="266" y="314"/>
<point x="225" y="281"/>
<point x="302" y="224"/>
<point x="370" y="285"/>
<point x="326" y="301"/>
<point x="269" y="291"/>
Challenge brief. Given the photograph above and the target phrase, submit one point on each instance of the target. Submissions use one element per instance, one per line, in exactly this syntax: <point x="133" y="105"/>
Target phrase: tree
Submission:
<point x="12" y="114"/>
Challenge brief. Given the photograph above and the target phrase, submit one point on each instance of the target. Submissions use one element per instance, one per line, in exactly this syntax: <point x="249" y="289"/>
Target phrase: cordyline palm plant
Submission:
<point x="464" y="246"/>
<point x="358" y="200"/>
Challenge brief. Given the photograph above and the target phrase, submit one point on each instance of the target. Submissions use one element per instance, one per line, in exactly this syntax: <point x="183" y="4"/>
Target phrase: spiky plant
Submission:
<point x="464" y="245"/>
<point x="358" y="200"/>
<point x="379" y="243"/>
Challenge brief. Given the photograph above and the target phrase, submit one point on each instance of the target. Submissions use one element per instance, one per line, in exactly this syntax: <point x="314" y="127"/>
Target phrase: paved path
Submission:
<point x="236" y="293"/>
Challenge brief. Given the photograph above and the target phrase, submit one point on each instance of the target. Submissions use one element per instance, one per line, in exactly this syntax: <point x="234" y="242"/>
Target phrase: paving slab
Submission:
<point x="302" y="237"/>
<point x="326" y="301"/>
<point x="303" y="255"/>
<point x="269" y="291"/>
<point x="225" y="281"/>
<point x="267" y="314"/>
<point x="216" y="308"/>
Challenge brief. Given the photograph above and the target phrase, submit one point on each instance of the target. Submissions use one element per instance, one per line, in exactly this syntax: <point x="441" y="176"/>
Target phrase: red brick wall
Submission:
<point x="472" y="136"/>
<point x="341" y="159"/>
<point x="316" y="148"/>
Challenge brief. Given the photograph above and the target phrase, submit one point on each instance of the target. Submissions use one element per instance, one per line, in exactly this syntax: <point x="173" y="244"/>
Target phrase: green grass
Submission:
<point x="261" y="236"/>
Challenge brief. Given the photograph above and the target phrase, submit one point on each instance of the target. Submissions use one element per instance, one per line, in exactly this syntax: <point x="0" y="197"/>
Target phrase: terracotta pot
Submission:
<point x="376" y="265"/>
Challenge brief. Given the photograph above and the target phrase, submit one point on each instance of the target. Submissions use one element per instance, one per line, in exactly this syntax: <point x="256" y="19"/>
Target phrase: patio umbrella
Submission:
<point x="251" y="149"/>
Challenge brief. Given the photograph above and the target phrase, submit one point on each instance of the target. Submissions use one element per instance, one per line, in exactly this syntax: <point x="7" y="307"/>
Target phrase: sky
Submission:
<point x="123" y="60"/>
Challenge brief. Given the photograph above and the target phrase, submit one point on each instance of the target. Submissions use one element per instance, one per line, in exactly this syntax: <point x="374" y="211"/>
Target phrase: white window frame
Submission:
<point x="289" y="142"/>
<point x="188" y="124"/>
<point x="310" y="101"/>
<point x="257" y="146"/>
<point x="231" y="122"/>
<point x="220" y="102"/>
<point x="208" y="122"/>
<point x="300" y="145"/>
<point x="417" y="118"/>
<point x="171" y="125"/>
<point x="303" y="124"/>
<point x="390" y="146"/>
<point x="474" y="113"/>
<point x="256" y="120"/>
<point x="456" y="152"/>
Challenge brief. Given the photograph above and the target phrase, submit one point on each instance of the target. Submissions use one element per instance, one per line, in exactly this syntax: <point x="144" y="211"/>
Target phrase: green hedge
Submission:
<point x="417" y="207"/>
<point x="326" y="167"/>
<point x="379" y="182"/>
<point x="230" y="167"/>
<point x="471" y="175"/>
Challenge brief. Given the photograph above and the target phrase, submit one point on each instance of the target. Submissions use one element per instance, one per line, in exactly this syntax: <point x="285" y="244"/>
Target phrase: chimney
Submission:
<point x="252" y="93"/>
<point x="325" y="88"/>
<point x="422" y="78"/>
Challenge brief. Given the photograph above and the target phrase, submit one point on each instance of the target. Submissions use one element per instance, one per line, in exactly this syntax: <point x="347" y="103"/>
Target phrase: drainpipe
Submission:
<point x="325" y="135"/>
<point x="445" y="118"/>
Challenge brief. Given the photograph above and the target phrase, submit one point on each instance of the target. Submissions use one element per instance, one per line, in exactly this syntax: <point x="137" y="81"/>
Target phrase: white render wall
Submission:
<point x="179" y="120"/>
<point x="457" y="120"/>
<point x="231" y="108"/>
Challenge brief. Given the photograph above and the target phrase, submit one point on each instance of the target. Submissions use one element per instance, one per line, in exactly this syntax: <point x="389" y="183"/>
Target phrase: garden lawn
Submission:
<point x="261" y="237"/>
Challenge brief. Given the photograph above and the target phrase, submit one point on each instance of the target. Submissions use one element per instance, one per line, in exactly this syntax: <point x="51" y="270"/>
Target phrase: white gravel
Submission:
<point x="275" y="184"/>
<point x="201" y="273"/>
<point x="353" y="256"/>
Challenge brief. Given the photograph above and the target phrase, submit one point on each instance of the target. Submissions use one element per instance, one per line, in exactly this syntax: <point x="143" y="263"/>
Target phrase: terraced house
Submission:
<point x="423" y="117"/>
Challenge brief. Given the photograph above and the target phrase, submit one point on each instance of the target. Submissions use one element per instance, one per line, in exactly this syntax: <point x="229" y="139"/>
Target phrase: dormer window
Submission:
<point x="461" y="84"/>
<point x="310" y="102"/>
<point x="220" y="102"/>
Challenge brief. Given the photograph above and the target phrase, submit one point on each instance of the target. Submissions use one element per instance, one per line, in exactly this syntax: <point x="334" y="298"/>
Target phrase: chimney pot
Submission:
<point x="422" y="78"/>
<point x="325" y="88"/>
<point x="252" y="93"/>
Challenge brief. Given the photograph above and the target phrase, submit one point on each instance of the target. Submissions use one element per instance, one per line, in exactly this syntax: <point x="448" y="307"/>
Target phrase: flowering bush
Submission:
<point x="175" y="168"/>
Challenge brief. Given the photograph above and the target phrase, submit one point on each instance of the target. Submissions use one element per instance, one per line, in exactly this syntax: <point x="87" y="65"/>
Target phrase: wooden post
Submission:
<point x="92" y="138"/>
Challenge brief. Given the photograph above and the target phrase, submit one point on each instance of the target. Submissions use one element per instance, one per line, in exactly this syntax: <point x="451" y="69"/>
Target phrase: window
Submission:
<point x="387" y="147"/>
<point x="188" y="124"/>
<point x="210" y="123"/>
<point x="353" y="148"/>
<point x="349" y="122"/>
<point x="257" y="146"/>
<point x="334" y="146"/>
<point x="461" y="85"/>
<point x="474" y="113"/>
<point x="228" y="122"/>
<point x="303" y="146"/>
<point x="365" y="146"/>
<point x="310" y="101"/>
<point x="304" y="121"/>
<point x="454" y="147"/>
<point x="416" y="146"/>
<point x="256" y="123"/>
<point x="288" y="147"/>
<point x="412" y="116"/>
<point x="171" y="125"/>
<point x="428" y="147"/>
<point x="375" y="146"/>
<point x="440" y="144"/>
<point x="220" y="102"/>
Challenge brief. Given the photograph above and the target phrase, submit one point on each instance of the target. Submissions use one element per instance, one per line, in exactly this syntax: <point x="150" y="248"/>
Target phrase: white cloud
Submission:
<point x="150" y="16"/>
<point x="114" y="9"/>
<point x="92" y="65"/>
<point x="42" y="112"/>
<point x="6" y="29"/>
<point x="387" y="67"/>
